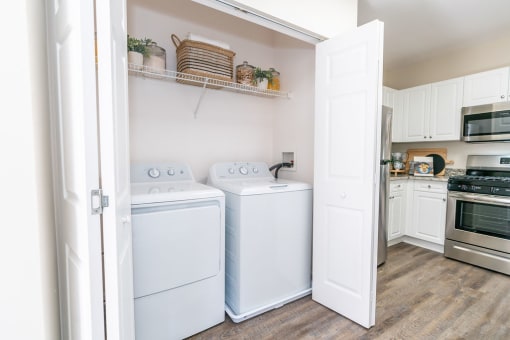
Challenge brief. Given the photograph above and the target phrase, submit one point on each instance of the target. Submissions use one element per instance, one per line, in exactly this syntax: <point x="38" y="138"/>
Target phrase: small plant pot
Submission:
<point x="262" y="84"/>
<point x="135" y="58"/>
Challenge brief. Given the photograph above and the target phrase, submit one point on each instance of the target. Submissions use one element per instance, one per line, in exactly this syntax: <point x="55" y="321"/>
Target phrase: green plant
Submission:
<point x="138" y="45"/>
<point x="261" y="74"/>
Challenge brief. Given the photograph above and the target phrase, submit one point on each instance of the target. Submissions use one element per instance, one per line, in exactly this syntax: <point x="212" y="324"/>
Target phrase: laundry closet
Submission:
<point x="335" y="89"/>
<point x="168" y="121"/>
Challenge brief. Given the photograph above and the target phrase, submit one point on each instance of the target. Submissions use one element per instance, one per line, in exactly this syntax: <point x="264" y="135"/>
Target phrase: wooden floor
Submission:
<point x="420" y="295"/>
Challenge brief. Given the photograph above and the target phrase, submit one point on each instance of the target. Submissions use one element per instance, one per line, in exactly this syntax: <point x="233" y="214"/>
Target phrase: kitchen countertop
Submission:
<point x="449" y="172"/>
<point x="420" y="178"/>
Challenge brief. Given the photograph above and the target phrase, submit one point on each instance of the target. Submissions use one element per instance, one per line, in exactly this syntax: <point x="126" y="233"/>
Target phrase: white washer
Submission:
<point x="268" y="238"/>
<point x="178" y="252"/>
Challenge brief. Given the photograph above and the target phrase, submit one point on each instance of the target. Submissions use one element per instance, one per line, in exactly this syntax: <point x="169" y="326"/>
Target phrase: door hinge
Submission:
<point x="98" y="201"/>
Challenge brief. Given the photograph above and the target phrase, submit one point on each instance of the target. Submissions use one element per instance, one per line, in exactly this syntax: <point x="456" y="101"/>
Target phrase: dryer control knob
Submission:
<point x="153" y="173"/>
<point x="231" y="171"/>
<point x="255" y="170"/>
<point x="171" y="172"/>
<point x="243" y="170"/>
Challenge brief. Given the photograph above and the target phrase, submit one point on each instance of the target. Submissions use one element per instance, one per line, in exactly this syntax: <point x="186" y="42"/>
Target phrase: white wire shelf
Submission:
<point x="205" y="82"/>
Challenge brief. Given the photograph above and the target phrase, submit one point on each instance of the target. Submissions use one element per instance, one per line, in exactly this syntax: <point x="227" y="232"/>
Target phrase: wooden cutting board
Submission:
<point x="443" y="152"/>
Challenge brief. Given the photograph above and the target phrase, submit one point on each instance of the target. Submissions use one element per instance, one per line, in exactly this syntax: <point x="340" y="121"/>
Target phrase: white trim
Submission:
<point x="439" y="248"/>
<point x="265" y="20"/>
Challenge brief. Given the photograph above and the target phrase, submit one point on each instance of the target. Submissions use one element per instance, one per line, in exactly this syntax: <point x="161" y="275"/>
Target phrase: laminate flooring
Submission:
<point x="420" y="295"/>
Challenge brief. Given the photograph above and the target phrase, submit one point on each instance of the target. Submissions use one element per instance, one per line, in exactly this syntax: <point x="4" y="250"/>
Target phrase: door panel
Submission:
<point x="75" y="166"/>
<point x="114" y="152"/>
<point x="346" y="184"/>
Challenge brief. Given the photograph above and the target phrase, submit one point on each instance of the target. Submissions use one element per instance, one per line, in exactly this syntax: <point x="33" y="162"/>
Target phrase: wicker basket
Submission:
<point x="196" y="58"/>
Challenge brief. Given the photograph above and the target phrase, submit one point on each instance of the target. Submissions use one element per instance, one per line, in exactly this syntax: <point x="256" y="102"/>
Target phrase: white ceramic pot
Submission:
<point x="262" y="84"/>
<point x="135" y="58"/>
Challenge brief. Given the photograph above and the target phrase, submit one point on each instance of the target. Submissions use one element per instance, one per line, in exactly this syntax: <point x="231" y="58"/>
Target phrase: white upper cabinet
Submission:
<point x="429" y="112"/>
<point x="416" y="111"/>
<point x="388" y="96"/>
<point x="445" y="109"/>
<point x="397" y="127"/>
<point x="487" y="87"/>
<point x="391" y="99"/>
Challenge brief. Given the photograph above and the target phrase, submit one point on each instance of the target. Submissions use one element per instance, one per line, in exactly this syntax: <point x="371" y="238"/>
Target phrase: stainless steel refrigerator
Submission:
<point x="387" y="114"/>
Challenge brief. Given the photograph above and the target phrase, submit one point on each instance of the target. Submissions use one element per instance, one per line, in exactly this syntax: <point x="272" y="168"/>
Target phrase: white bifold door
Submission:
<point x="90" y="149"/>
<point x="348" y="103"/>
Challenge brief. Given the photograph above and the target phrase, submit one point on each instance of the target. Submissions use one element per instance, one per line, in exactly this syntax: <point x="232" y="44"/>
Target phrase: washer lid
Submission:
<point x="156" y="192"/>
<point x="260" y="186"/>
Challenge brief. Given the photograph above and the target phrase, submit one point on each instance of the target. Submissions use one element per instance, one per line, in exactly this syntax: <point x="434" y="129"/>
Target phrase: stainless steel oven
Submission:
<point x="478" y="214"/>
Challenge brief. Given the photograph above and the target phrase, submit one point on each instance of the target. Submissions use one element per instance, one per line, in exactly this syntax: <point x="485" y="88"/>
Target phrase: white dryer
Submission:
<point x="178" y="252"/>
<point x="268" y="238"/>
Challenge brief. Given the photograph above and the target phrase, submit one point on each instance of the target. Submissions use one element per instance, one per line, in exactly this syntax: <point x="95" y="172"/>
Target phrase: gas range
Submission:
<point x="484" y="175"/>
<point x="478" y="214"/>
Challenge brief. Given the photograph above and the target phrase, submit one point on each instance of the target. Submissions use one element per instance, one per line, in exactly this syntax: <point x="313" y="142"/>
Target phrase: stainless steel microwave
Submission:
<point x="486" y="123"/>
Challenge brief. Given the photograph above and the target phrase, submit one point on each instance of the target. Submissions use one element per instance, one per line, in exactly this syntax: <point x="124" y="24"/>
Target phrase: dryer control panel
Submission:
<point x="160" y="172"/>
<point x="233" y="170"/>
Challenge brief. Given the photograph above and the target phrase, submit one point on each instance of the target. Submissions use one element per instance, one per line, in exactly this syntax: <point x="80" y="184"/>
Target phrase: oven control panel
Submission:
<point x="488" y="185"/>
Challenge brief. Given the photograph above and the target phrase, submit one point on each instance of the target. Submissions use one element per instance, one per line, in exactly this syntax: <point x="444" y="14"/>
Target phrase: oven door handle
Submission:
<point x="464" y="196"/>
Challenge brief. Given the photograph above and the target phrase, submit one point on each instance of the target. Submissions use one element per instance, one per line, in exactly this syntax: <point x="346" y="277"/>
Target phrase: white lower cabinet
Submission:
<point x="417" y="212"/>
<point x="428" y="212"/>
<point x="396" y="209"/>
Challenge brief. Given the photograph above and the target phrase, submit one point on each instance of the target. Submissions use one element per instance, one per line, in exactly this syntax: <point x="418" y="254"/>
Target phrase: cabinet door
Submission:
<point x="416" y="113"/>
<point x="486" y="87"/>
<point x="429" y="216"/>
<point x="398" y="117"/>
<point x="396" y="214"/>
<point x="445" y="108"/>
<point x="388" y="96"/>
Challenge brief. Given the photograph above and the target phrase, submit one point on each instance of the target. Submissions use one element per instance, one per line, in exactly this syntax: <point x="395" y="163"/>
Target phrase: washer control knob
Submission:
<point x="231" y="171"/>
<point x="171" y="172"/>
<point x="153" y="173"/>
<point x="255" y="170"/>
<point x="243" y="170"/>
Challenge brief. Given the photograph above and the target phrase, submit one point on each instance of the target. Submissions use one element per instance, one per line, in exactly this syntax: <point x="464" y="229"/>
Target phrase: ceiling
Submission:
<point x="416" y="30"/>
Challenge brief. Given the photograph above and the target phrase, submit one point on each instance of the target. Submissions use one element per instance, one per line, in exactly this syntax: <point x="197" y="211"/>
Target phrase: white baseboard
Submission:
<point x="439" y="248"/>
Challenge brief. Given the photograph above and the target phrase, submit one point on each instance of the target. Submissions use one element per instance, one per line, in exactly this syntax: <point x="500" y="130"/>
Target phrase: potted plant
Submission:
<point x="263" y="78"/>
<point x="137" y="49"/>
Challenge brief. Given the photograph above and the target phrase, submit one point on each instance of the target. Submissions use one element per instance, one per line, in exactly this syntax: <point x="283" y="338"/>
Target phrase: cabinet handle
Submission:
<point x="502" y="96"/>
<point x="429" y="186"/>
<point x="444" y="199"/>
<point x="425" y="137"/>
<point x="430" y="137"/>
